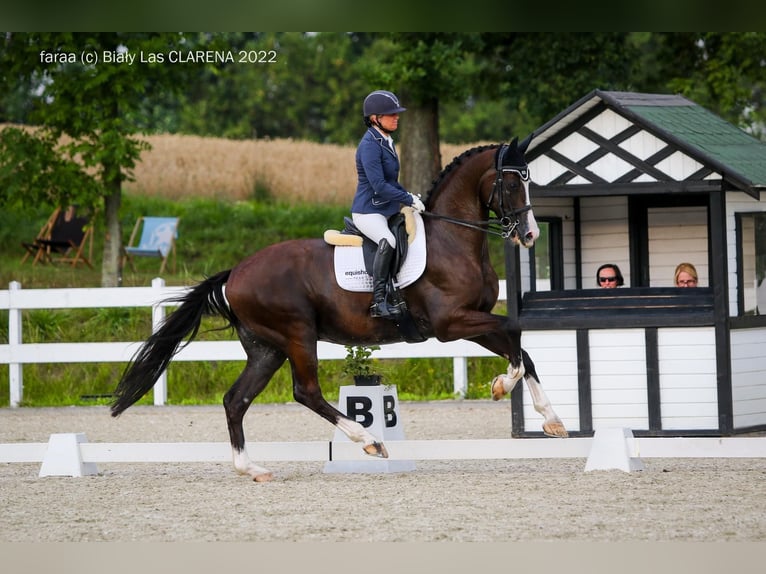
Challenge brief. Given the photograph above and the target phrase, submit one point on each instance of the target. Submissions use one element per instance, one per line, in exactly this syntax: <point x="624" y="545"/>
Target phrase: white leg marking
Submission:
<point x="243" y="465"/>
<point x="514" y="376"/>
<point x="355" y="431"/>
<point x="552" y="425"/>
<point x="501" y="385"/>
<point x="539" y="399"/>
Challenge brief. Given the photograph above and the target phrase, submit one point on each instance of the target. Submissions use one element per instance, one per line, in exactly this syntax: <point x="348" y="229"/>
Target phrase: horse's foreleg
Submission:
<point x="307" y="392"/>
<point x="262" y="363"/>
<point x="552" y="425"/>
<point x="520" y="365"/>
<point x="496" y="335"/>
<point x="504" y="383"/>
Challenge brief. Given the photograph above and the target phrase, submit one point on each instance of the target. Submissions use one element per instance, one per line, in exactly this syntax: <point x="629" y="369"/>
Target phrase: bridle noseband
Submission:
<point x="509" y="220"/>
<point x="506" y="224"/>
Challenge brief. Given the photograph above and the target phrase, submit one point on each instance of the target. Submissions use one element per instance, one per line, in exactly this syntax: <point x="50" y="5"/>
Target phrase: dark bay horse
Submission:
<point x="284" y="298"/>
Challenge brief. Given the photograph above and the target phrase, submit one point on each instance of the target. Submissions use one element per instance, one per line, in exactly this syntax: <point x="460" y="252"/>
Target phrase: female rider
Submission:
<point x="379" y="193"/>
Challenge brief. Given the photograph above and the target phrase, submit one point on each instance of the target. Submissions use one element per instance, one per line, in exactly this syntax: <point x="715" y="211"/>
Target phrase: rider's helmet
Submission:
<point x="381" y="102"/>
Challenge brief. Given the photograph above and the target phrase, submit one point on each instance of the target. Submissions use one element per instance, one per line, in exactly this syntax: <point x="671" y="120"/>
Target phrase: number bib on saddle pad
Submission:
<point x="350" y="272"/>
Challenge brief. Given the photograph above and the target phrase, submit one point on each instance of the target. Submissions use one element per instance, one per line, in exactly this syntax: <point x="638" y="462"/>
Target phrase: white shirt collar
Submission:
<point x="386" y="137"/>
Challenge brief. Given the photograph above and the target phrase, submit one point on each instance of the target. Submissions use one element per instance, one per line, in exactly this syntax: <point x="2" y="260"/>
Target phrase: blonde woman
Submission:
<point x="685" y="275"/>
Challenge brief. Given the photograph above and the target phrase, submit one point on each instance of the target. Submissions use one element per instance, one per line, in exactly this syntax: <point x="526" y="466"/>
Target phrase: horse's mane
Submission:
<point x="439" y="179"/>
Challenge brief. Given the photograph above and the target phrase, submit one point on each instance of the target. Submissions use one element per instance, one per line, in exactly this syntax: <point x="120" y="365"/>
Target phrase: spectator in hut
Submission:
<point x="685" y="275"/>
<point x="608" y="276"/>
<point x="379" y="195"/>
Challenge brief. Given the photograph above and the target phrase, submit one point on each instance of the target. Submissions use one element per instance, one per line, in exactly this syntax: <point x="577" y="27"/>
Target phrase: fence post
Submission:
<point x="158" y="315"/>
<point x="14" y="339"/>
<point x="460" y="376"/>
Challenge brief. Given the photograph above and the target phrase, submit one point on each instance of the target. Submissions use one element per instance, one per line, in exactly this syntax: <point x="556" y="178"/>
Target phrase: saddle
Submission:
<point x="358" y="276"/>
<point x="369" y="247"/>
<point x="401" y="224"/>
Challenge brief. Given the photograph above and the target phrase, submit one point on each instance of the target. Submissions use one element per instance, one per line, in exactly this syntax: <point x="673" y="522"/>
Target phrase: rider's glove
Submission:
<point x="417" y="205"/>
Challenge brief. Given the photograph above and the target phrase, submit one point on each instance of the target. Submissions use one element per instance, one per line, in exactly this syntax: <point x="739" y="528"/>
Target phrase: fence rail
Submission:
<point x="70" y="454"/>
<point x="16" y="353"/>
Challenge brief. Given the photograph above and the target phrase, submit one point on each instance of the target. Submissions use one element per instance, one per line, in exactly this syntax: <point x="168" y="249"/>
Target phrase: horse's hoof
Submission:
<point x="263" y="477"/>
<point x="497" y="388"/>
<point x="376" y="449"/>
<point x="555" y="430"/>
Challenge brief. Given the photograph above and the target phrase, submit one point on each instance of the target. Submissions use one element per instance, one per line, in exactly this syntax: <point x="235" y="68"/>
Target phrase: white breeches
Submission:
<point x="374" y="226"/>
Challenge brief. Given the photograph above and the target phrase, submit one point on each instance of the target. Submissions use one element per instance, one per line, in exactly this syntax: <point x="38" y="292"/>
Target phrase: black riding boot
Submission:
<point x="381" y="268"/>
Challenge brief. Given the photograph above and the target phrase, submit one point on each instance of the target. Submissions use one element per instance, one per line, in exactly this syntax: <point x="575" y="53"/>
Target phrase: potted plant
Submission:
<point x="358" y="364"/>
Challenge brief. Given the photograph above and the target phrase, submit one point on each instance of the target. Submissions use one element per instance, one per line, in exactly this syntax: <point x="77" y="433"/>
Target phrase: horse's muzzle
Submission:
<point x="524" y="235"/>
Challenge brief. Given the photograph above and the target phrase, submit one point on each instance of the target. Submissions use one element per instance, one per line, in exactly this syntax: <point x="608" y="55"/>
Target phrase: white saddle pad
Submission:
<point x="352" y="276"/>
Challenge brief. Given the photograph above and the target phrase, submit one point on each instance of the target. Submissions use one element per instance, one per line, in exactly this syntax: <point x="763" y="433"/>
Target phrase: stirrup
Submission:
<point x="395" y="301"/>
<point x="385" y="309"/>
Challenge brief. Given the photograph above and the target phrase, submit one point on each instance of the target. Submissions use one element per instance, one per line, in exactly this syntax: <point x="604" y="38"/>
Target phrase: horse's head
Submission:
<point x="509" y="198"/>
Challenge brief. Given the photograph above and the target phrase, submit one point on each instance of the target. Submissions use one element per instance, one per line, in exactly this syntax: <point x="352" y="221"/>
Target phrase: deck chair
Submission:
<point x="63" y="239"/>
<point x="158" y="239"/>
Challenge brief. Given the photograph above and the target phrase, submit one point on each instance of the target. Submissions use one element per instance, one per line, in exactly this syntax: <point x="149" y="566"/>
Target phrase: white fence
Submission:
<point x="70" y="454"/>
<point x="16" y="353"/>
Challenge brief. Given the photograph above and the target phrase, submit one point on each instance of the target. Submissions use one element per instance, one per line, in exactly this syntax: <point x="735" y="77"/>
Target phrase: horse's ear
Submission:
<point x="525" y="144"/>
<point x="515" y="143"/>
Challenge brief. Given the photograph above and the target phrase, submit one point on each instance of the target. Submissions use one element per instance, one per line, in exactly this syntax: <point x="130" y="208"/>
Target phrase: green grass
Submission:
<point x="213" y="235"/>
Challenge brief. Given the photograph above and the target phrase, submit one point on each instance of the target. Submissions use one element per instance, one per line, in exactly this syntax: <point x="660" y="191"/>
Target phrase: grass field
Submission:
<point x="233" y="198"/>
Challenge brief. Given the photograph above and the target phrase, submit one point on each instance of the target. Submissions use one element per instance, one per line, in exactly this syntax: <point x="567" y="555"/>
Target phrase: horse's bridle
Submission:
<point x="508" y="220"/>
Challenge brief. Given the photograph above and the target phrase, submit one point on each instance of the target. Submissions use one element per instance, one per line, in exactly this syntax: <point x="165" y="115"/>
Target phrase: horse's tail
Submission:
<point x="155" y="354"/>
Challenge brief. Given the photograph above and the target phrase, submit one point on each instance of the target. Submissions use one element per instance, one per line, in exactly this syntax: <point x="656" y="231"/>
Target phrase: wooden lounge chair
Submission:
<point x="63" y="239"/>
<point x="158" y="239"/>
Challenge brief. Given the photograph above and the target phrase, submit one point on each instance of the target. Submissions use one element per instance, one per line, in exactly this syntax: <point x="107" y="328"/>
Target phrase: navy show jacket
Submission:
<point x="377" y="166"/>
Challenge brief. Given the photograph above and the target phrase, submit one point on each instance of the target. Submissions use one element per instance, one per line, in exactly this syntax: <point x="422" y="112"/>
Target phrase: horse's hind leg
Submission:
<point x="262" y="362"/>
<point x="307" y="392"/>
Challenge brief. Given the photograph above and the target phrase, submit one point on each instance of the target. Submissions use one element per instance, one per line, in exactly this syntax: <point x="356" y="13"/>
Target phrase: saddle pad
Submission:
<point x="350" y="272"/>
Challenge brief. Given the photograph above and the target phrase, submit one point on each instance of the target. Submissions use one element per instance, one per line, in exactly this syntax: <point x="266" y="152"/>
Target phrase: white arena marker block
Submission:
<point x="614" y="448"/>
<point x="63" y="457"/>
<point x="376" y="408"/>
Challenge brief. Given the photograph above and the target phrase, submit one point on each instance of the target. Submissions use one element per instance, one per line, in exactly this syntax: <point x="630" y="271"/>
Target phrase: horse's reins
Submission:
<point x="507" y="222"/>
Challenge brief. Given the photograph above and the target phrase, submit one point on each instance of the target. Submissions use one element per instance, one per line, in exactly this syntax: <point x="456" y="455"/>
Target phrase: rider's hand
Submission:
<point x="417" y="205"/>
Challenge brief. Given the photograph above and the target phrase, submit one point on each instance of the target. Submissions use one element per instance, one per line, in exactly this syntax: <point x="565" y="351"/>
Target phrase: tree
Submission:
<point x="89" y="90"/>
<point x="722" y="71"/>
<point x="544" y="73"/>
<point x="423" y="69"/>
<point x="304" y="87"/>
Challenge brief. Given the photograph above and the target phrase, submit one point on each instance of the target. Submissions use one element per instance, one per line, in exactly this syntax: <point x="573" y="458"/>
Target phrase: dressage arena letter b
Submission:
<point x="376" y="408"/>
<point x="359" y="407"/>
<point x="389" y="404"/>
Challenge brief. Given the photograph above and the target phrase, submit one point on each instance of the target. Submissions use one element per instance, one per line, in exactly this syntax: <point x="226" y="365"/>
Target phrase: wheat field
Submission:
<point x="293" y="171"/>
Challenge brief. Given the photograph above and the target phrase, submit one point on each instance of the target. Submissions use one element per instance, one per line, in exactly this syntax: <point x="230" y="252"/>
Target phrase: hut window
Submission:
<point x="546" y="261"/>
<point x="751" y="274"/>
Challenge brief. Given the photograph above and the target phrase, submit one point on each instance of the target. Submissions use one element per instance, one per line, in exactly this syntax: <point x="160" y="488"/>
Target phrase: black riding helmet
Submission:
<point x="381" y="103"/>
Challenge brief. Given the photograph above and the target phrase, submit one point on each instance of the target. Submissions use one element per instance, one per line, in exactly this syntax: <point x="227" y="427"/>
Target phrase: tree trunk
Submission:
<point x="420" y="156"/>
<point x="111" y="267"/>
